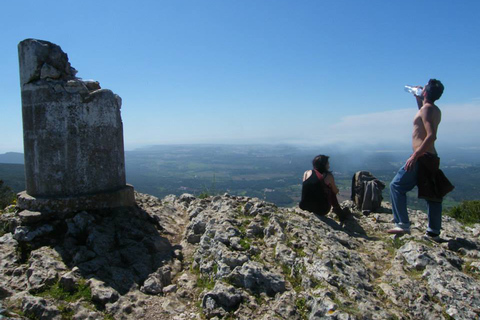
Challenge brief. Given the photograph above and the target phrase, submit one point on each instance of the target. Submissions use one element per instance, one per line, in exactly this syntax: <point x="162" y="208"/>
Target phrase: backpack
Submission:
<point x="367" y="191"/>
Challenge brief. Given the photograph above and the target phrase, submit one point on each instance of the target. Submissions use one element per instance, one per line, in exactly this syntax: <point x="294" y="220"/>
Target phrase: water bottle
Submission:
<point x="416" y="91"/>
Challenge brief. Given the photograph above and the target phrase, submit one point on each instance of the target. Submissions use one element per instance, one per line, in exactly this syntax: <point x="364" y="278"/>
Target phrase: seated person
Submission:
<point x="319" y="192"/>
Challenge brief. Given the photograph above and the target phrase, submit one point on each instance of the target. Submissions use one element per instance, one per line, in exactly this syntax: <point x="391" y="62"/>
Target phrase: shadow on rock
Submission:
<point x="353" y="228"/>
<point x="350" y="225"/>
<point x="461" y="244"/>
<point x="330" y="222"/>
<point x="121" y="248"/>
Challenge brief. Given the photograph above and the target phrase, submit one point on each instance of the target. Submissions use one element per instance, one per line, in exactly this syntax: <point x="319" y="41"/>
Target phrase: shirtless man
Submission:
<point x="425" y="126"/>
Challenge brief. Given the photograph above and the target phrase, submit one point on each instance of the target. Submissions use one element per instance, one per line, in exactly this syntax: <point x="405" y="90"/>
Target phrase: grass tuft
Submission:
<point x="301" y="304"/>
<point x="205" y="283"/>
<point x="56" y="292"/>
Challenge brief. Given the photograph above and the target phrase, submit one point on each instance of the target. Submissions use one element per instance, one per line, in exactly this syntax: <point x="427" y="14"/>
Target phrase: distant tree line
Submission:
<point x="7" y="196"/>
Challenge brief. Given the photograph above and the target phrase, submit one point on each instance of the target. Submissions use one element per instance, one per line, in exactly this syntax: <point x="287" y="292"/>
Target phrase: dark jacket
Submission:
<point x="432" y="183"/>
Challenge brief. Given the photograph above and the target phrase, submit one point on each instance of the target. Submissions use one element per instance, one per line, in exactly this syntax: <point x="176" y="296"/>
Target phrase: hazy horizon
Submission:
<point x="308" y="72"/>
<point x="272" y="172"/>
<point x="449" y="154"/>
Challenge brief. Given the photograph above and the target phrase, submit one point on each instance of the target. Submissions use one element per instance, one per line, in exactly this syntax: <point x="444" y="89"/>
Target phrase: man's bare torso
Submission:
<point x="419" y="132"/>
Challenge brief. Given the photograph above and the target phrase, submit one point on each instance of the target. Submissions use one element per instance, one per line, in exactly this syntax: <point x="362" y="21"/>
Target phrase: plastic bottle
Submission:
<point x="415" y="90"/>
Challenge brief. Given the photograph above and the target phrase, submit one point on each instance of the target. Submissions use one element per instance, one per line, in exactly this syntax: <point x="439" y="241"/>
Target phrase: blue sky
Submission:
<point x="263" y="71"/>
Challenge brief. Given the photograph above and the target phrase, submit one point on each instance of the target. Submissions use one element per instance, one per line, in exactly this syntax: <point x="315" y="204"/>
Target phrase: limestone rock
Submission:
<point x="157" y="281"/>
<point x="102" y="293"/>
<point x="255" y="277"/>
<point x="35" y="54"/>
<point x="286" y="306"/>
<point x="83" y="313"/>
<point x="39" y="308"/>
<point x="27" y="216"/>
<point x="92" y="85"/>
<point x="70" y="280"/>
<point x="251" y="260"/>
<point x="222" y="296"/>
<point x="45" y="268"/>
<point x="49" y="72"/>
<point x="27" y="234"/>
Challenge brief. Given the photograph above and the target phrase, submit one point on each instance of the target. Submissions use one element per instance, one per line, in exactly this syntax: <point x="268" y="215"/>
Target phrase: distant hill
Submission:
<point x="13" y="175"/>
<point x="12" y="157"/>
<point x="271" y="173"/>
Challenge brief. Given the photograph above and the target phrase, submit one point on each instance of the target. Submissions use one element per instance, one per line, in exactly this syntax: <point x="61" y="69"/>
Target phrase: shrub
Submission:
<point x="468" y="212"/>
<point x="7" y="196"/>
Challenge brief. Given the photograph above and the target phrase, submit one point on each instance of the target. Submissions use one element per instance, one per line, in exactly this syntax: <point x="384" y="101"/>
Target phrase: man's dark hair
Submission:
<point x="434" y="90"/>
<point x="320" y="163"/>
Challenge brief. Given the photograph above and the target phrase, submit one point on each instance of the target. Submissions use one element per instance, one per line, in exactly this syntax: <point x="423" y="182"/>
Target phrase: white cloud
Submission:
<point x="460" y="126"/>
<point x="374" y="127"/>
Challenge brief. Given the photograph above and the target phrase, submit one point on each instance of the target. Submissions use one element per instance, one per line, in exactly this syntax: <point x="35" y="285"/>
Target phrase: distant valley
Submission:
<point x="271" y="173"/>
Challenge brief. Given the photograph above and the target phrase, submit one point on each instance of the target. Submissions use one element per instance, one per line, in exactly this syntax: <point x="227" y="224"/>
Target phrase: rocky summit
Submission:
<point x="228" y="257"/>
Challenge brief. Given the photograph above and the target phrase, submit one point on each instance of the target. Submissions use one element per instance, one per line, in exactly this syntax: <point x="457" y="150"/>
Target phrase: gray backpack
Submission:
<point x="367" y="191"/>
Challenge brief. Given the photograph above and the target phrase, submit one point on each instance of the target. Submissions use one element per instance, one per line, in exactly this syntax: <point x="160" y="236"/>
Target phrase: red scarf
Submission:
<point x="319" y="175"/>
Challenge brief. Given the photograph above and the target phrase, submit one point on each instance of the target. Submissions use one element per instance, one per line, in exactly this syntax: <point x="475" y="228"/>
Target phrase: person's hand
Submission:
<point x="410" y="162"/>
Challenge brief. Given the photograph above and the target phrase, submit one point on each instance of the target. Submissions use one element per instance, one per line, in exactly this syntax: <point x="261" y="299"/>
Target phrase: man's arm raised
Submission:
<point x="419" y="102"/>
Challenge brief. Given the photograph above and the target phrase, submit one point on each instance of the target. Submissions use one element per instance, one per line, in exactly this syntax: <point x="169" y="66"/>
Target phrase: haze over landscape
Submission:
<point x="248" y="72"/>
<point x="269" y="172"/>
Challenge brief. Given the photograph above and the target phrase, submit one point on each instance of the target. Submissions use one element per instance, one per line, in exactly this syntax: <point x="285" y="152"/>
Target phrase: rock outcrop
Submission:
<point x="228" y="257"/>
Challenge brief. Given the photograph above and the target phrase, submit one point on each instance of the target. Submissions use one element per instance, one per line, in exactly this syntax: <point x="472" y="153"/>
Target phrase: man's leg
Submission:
<point x="403" y="182"/>
<point x="434" y="217"/>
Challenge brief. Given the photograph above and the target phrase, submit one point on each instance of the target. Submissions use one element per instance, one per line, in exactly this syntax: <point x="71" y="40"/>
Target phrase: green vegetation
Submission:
<point x="209" y="191"/>
<point x="472" y="270"/>
<point x="294" y="275"/>
<point x="297" y="249"/>
<point x="7" y="196"/>
<point x="64" y="297"/>
<point x="203" y="195"/>
<point x="468" y="212"/>
<point x="195" y="270"/>
<point x="245" y="243"/>
<point x="271" y="173"/>
<point x="394" y="244"/>
<point x="66" y="312"/>
<point x="205" y="283"/>
<point x="4" y="226"/>
<point x="347" y="307"/>
<point x="13" y="175"/>
<point x="301" y="304"/>
<point x="23" y="251"/>
<point x="414" y="273"/>
<point x="58" y="293"/>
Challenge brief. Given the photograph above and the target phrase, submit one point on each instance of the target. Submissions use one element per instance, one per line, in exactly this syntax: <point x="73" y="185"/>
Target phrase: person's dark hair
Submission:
<point x="434" y="90"/>
<point x="320" y="163"/>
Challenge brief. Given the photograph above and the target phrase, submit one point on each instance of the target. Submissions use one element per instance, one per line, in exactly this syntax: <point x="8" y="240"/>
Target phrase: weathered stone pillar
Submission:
<point x="73" y="136"/>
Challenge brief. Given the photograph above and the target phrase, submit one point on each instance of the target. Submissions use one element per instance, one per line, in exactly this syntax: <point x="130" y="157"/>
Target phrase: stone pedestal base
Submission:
<point x="123" y="197"/>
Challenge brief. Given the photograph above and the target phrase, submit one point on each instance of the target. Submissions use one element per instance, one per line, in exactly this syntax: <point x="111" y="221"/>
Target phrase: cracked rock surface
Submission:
<point x="228" y="257"/>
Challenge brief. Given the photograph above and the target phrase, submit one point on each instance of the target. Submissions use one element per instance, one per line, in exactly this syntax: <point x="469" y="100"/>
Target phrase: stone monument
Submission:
<point x="73" y="136"/>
